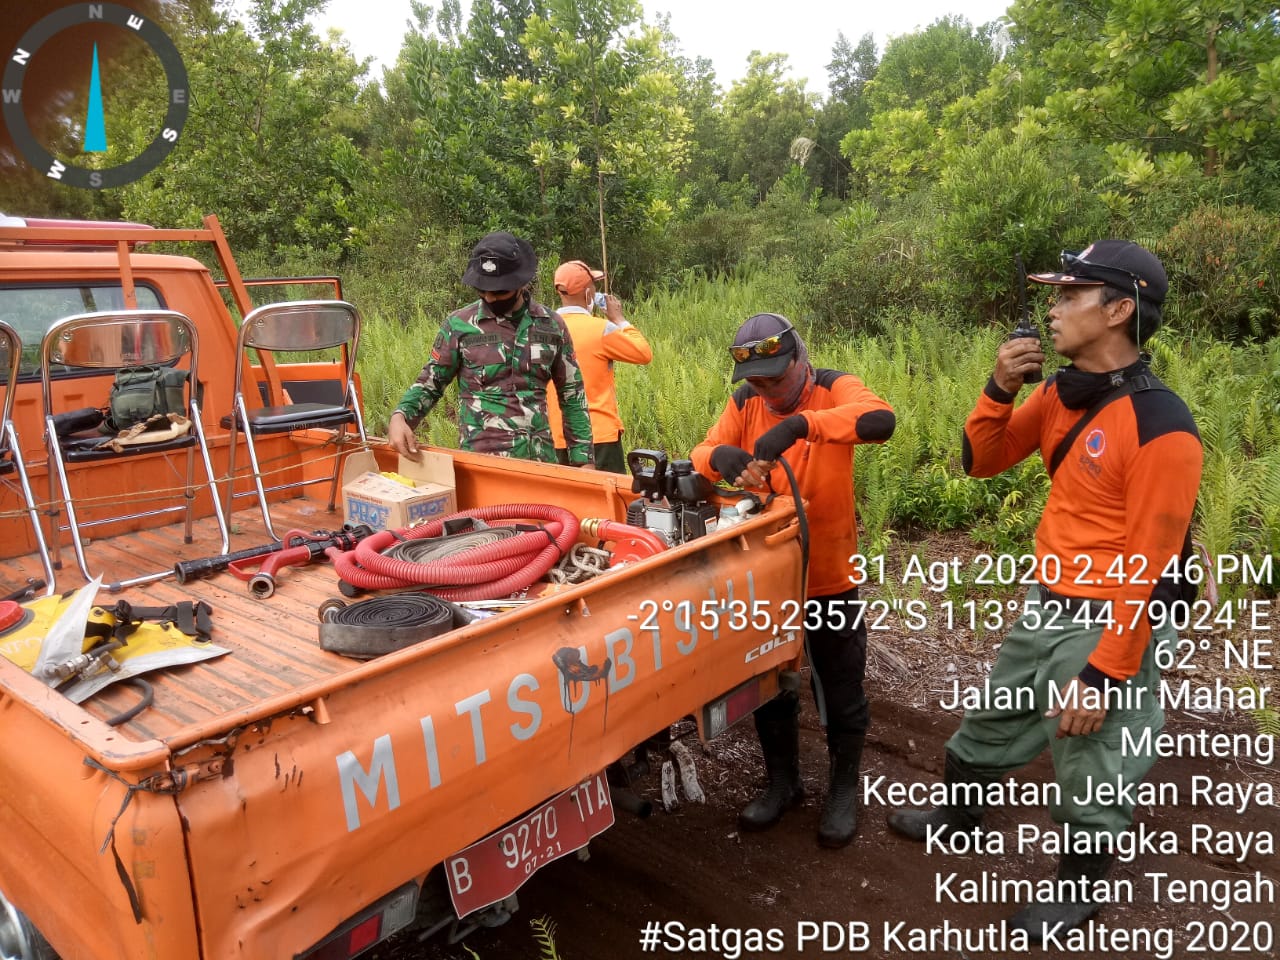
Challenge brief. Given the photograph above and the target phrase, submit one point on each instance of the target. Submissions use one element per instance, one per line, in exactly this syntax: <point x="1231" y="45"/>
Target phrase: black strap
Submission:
<point x="194" y="618"/>
<point x="1136" y="384"/>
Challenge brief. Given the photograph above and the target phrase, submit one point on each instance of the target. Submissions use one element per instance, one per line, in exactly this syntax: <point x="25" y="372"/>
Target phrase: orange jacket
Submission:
<point x="840" y="412"/>
<point x="598" y="343"/>
<point x="1119" y="507"/>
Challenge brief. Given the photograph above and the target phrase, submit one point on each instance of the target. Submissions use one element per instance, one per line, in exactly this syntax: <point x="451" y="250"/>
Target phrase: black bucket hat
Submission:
<point x="501" y="261"/>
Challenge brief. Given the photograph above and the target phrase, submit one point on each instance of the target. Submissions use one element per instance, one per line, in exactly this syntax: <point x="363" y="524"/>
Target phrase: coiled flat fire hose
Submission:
<point x="428" y="551"/>
<point x="488" y="571"/>
<point x="383" y="625"/>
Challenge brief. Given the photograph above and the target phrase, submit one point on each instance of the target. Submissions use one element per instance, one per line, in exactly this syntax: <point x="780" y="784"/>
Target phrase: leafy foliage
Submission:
<point x="931" y="68"/>
<point x="763" y="113"/>
<point x="1006" y="197"/>
<point x="544" y="934"/>
<point x="1224" y="264"/>
<point x="272" y="136"/>
<point x="1199" y="76"/>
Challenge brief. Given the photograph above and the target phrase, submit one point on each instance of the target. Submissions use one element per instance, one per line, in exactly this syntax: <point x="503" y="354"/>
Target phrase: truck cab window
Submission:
<point x="32" y="309"/>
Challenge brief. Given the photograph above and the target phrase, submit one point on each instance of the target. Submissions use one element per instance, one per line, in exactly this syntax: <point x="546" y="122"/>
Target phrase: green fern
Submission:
<point x="931" y="369"/>
<point x="544" y="932"/>
<point x="1266" y="720"/>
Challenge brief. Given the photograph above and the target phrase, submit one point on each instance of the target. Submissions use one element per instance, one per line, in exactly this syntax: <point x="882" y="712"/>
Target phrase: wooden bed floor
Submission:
<point x="274" y="642"/>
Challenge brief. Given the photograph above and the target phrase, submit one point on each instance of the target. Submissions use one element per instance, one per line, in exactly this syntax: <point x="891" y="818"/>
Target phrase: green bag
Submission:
<point x="140" y="393"/>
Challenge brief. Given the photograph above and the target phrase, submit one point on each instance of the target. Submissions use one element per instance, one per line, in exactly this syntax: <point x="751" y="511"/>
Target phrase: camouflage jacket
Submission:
<point x="503" y="367"/>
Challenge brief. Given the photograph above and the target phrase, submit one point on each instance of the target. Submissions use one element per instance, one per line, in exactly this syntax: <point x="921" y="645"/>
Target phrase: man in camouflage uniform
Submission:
<point x="504" y="349"/>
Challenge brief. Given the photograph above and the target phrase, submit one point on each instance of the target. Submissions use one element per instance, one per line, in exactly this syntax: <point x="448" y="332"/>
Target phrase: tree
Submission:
<point x="900" y="152"/>
<point x="544" y="118"/>
<point x="929" y="69"/>
<point x="764" y="112"/>
<point x="1202" y="76"/>
<point x="452" y="147"/>
<point x="851" y="69"/>
<point x="1005" y="195"/>
<point x="608" y="122"/>
<point x="270" y="140"/>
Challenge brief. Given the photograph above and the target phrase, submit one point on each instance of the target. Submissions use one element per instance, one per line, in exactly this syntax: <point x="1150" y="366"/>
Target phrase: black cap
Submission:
<point x="761" y="327"/>
<point x="1116" y="263"/>
<point x="500" y="261"/>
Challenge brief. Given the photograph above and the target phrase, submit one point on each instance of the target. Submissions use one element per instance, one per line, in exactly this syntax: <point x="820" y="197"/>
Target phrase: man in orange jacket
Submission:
<point x="1077" y="672"/>
<point x="599" y="342"/>
<point x="814" y="417"/>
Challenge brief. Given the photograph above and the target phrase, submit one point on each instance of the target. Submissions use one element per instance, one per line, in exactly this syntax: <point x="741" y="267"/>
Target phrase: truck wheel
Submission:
<point x="19" y="940"/>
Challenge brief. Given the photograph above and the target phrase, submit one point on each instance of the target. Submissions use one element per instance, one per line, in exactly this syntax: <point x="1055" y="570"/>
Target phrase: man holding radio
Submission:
<point x="1125" y="459"/>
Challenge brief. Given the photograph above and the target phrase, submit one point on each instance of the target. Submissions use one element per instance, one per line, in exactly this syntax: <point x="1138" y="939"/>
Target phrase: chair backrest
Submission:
<point x="117" y="338"/>
<point x="10" y="358"/>
<point x="299" y="326"/>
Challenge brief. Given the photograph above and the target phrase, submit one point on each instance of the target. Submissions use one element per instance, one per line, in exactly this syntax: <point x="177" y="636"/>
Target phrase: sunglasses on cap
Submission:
<point x="767" y="347"/>
<point x="1074" y="264"/>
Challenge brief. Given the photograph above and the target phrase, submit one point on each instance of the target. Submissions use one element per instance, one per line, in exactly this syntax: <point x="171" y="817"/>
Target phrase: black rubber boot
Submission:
<point x="778" y="724"/>
<point x="840" y="810"/>
<point x="915" y="824"/>
<point x="1074" y="906"/>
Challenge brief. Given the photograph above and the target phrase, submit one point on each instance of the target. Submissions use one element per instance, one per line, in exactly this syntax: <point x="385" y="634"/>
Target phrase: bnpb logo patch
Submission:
<point x="1095" y="443"/>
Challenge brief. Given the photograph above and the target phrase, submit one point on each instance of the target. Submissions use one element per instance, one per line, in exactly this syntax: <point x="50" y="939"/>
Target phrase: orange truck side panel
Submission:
<point x="460" y="738"/>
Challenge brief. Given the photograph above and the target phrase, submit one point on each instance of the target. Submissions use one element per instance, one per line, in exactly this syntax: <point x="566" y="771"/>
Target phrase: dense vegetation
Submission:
<point x="910" y="185"/>
<point x="883" y="216"/>
<point x="931" y="370"/>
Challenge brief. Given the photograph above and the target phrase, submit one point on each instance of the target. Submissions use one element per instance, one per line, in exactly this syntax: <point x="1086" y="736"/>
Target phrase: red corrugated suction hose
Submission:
<point x="490" y="572"/>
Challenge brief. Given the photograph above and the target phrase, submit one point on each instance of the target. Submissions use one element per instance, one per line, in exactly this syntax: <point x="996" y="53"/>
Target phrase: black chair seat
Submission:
<point x="82" y="449"/>
<point x="295" y="416"/>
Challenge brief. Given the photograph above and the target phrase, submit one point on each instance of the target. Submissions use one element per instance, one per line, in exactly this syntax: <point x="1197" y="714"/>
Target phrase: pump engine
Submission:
<point x="675" y="498"/>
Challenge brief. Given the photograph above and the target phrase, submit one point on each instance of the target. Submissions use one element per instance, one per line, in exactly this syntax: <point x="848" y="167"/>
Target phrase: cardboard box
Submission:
<point x="383" y="504"/>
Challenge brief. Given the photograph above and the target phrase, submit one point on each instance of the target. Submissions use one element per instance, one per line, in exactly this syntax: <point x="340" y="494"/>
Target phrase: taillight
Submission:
<point x="371" y="926"/>
<point x="719" y="715"/>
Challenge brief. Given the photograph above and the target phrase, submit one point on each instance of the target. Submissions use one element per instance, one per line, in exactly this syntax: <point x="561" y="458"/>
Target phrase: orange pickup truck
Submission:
<point x="281" y="800"/>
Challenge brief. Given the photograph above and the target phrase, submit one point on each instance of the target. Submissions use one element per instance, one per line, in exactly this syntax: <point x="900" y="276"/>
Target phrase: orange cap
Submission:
<point x="572" y="277"/>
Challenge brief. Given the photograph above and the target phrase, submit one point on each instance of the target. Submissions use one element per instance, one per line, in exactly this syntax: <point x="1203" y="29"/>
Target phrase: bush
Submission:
<point x="879" y="268"/>
<point x="785" y="229"/>
<point x="1222" y="265"/>
<point x="998" y="199"/>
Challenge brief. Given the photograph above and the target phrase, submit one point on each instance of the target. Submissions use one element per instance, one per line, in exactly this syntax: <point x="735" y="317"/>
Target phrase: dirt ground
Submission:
<point x="691" y="865"/>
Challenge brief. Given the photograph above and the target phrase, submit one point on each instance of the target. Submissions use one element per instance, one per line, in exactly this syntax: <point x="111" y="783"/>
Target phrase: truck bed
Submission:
<point x="273" y="643"/>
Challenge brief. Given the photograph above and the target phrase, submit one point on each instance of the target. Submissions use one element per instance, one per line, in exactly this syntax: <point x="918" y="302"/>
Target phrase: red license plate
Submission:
<point x="494" y="868"/>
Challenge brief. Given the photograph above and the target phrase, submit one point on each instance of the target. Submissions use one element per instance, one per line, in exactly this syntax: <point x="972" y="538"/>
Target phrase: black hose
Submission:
<point x="148" y="698"/>
<point x="435" y="548"/>
<point x="421" y="611"/>
<point x="382" y="625"/>
<point x="801" y="519"/>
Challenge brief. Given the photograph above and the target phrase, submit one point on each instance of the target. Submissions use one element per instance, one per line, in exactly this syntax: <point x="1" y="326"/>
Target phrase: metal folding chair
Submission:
<point x="11" y="461"/>
<point x="297" y="327"/>
<point x="99" y="342"/>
